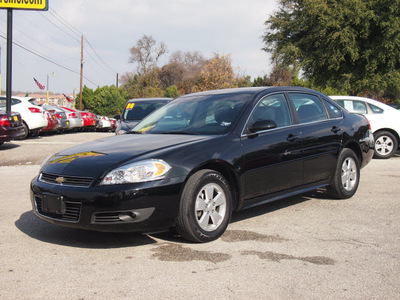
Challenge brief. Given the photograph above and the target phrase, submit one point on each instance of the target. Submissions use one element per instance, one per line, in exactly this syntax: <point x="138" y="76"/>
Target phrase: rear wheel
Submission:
<point x="385" y="145"/>
<point x="26" y="132"/>
<point x="347" y="175"/>
<point x="205" y="208"/>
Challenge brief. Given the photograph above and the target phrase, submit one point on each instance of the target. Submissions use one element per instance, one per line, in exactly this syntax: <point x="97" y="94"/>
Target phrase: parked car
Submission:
<point x="135" y="110"/>
<point x="74" y="118"/>
<point x="103" y="123"/>
<point x="113" y="124"/>
<point x="385" y="122"/>
<point x="60" y="115"/>
<point x="395" y="105"/>
<point x="89" y="119"/>
<point x="202" y="156"/>
<point x="52" y="122"/>
<point x="10" y="126"/>
<point x="33" y="116"/>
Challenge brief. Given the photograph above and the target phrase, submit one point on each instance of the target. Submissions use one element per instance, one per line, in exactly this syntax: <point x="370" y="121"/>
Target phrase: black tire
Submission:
<point x="385" y="145"/>
<point x="26" y="132"/>
<point x="201" y="219"/>
<point x="347" y="175"/>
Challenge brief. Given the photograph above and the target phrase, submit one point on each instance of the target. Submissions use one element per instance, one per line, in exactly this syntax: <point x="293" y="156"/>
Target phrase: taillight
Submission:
<point x="34" y="110"/>
<point x="4" y="121"/>
<point x="59" y="116"/>
<point x="72" y="116"/>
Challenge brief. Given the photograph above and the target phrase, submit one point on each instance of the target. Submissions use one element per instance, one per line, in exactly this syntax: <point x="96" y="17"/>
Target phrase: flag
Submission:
<point x="41" y="86"/>
<point x="66" y="97"/>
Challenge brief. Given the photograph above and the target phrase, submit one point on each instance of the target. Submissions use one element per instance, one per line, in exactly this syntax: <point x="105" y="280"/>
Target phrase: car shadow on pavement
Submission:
<point x="40" y="230"/>
<point x="7" y="146"/>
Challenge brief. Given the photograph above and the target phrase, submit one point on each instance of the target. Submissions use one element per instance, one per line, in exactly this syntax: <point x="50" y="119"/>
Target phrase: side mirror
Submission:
<point x="117" y="117"/>
<point x="262" y="125"/>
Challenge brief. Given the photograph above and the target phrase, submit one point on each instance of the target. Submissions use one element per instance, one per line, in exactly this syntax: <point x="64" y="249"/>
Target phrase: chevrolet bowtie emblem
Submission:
<point x="60" y="180"/>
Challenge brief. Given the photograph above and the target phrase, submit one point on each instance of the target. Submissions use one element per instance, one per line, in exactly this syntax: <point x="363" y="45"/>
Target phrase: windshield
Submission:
<point x="135" y="111"/>
<point x="198" y="114"/>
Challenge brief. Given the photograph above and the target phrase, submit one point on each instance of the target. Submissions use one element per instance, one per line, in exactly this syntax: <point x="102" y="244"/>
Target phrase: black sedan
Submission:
<point x="10" y="126"/>
<point x="200" y="157"/>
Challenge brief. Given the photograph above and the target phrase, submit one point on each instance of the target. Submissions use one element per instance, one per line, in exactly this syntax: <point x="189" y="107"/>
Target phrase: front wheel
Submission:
<point x="205" y="208"/>
<point x="347" y="175"/>
<point x="385" y="145"/>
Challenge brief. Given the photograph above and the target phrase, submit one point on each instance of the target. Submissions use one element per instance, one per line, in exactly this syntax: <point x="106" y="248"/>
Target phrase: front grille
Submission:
<point x="72" y="211"/>
<point x="65" y="180"/>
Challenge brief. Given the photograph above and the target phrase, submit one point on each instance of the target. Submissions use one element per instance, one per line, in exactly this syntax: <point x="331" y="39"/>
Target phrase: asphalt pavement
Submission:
<point x="306" y="247"/>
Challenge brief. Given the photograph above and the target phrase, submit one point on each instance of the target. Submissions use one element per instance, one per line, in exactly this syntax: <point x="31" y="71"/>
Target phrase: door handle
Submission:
<point x="335" y="129"/>
<point x="292" y="138"/>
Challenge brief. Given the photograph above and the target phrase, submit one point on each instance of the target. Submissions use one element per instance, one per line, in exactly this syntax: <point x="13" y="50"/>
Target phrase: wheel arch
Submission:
<point x="228" y="172"/>
<point x="357" y="150"/>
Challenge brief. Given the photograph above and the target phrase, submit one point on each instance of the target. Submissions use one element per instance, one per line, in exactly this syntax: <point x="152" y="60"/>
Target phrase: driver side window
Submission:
<point x="274" y="108"/>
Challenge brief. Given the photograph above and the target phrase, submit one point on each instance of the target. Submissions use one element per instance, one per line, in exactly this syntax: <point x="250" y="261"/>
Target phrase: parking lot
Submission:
<point x="305" y="247"/>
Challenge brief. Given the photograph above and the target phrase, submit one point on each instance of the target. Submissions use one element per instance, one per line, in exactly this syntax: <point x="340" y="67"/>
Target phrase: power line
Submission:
<point x="65" y="22"/>
<point x="59" y="27"/>
<point x="99" y="56"/>
<point x="49" y="60"/>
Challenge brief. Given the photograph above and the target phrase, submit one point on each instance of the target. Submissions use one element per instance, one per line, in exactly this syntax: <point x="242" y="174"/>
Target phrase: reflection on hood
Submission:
<point x="69" y="158"/>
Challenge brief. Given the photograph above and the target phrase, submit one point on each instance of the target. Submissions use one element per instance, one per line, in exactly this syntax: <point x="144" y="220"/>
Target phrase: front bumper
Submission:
<point x="145" y="207"/>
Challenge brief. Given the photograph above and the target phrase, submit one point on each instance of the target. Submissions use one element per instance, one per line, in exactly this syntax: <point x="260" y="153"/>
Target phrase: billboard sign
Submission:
<point x="25" y="4"/>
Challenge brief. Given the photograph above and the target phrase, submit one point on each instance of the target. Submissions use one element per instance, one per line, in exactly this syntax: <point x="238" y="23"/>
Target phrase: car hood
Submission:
<point x="94" y="158"/>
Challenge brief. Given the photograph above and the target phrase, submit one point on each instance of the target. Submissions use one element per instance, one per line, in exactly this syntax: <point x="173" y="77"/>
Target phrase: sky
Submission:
<point x="47" y="44"/>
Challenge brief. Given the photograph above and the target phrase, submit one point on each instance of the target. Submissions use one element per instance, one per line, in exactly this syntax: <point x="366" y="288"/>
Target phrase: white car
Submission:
<point x="33" y="116"/>
<point x="104" y="123"/>
<point x="384" y="120"/>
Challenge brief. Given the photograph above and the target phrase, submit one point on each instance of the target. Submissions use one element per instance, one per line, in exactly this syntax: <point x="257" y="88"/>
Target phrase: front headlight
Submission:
<point x="142" y="171"/>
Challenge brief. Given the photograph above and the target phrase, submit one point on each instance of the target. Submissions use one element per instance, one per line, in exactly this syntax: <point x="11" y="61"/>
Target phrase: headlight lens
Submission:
<point x="147" y="170"/>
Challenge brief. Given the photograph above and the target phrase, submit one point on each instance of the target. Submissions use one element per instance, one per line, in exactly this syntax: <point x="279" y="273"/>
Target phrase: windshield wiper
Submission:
<point x="133" y="132"/>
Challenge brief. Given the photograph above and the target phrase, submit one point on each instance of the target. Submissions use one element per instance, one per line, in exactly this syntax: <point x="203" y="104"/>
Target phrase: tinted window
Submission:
<point x="33" y="102"/>
<point x="333" y="110"/>
<point x="309" y="107"/>
<point x="273" y="108"/>
<point x="200" y="114"/>
<point x="139" y="110"/>
<point x="376" y="109"/>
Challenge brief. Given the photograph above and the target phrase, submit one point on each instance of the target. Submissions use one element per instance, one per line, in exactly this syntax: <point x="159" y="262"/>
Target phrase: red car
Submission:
<point x="89" y="119"/>
<point x="52" y="122"/>
<point x="10" y="126"/>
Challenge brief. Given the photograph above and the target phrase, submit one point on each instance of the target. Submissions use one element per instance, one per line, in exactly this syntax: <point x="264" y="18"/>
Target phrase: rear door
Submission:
<point x="320" y="126"/>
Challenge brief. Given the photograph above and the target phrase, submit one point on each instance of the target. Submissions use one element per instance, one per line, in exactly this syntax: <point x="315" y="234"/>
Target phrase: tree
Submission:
<point x="146" y="54"/>
<point x="349" y="45"/>
<point x="104" y="101"/>
<point x="217" y="74"/>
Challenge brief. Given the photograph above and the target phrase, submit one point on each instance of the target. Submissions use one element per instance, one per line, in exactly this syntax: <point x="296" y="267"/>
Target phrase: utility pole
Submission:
<point x="80" y="91"/>
<point x="117" y="81"/>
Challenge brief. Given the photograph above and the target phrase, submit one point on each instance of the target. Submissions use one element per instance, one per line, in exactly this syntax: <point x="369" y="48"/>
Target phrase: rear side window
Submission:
<point x="333" y="110"/>
<point x="354" y="106"/>
<point x="309" y="107"/>
<point x="375" y="109"/>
